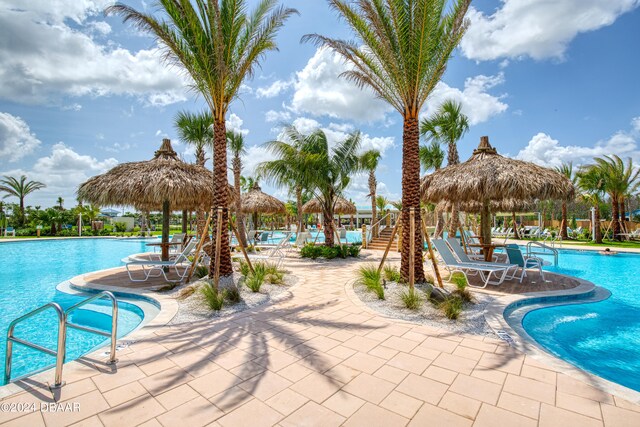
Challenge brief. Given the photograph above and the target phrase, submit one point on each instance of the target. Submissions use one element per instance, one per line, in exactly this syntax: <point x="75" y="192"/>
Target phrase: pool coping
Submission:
<point x="496" y="316"/>
<point x="167" y="310"/>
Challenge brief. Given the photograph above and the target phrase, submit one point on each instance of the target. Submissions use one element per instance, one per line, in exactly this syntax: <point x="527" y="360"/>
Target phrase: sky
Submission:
<point x="548" y="81"/>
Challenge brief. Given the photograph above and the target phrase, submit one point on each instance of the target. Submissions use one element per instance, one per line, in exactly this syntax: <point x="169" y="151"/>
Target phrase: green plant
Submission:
<point x="120" y="227"/>
<point x="342" y="251"/>
<point x="212" y="297"/>
<point x="429" y="279"/>
<point x="392" y="274"/>
<point x="329" y="252"/>
<point x="201" y="271"/>
<point x="233" y="295"/>
<point x="274" y="275"/>
<point x="354" y="250"/>
<point x="411" y="299"/>
<point x="255" y="280"/>
<point x="461" y="283"/>
<point x="311" y="251"/>
<point x="452" y="307"/>
<point x="371" y="279"/>
<point x="244" y="268"/>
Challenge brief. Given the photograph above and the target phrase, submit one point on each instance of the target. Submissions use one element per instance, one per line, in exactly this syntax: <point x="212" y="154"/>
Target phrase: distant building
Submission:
<point x="111" y="213"/>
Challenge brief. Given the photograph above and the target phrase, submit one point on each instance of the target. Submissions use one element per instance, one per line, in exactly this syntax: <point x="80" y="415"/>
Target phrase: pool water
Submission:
<point x="29" y="274"/>
<point x="277" y="236"/>
<point x="602" y="337"/>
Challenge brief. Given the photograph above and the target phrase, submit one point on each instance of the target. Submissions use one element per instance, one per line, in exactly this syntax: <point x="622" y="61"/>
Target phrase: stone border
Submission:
<point x="503" y="307"/>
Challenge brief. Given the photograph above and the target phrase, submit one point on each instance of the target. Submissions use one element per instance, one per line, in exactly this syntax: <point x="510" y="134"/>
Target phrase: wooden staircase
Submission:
<point x="380" y="242"/>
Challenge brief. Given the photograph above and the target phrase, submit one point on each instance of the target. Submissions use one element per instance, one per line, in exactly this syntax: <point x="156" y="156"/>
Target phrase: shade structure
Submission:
<point x="489" y="177"/>
<point x="163" y="183"/>
<point x="507" y="205"/>
<point x="255" y="201"/>
<point x="342" y="207"/>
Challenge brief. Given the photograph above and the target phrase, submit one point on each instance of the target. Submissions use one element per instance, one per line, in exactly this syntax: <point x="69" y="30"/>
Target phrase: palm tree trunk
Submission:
<point x="372" y="193"/>
<point x="454" y="222"/>
<point x="237" y="168"/>
<point x="327" y="225"/>
<point x="623" y="216"/>
<point x="411" y="197"/>
<point x="301" y="226"/>
<point x="439" y="224"/>
<point x="563" y="224"/>
<point x="596" y="226"/>
<point x="615" y="213"/>
<point x="21" y="221"/>
<point x="185" y="213"/>
<point x="220" y="199"/>
<point x="516" y="234"/>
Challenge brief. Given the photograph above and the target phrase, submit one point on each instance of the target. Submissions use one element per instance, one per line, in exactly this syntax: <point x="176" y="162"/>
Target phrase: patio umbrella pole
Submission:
<point x="203" y="232"/>
<point x="485" y="225"/>
<point x="166" y="213"/>
<point x="389" y="243"/>
<point x="436" y="270"/>
<point x="216" y="274"/>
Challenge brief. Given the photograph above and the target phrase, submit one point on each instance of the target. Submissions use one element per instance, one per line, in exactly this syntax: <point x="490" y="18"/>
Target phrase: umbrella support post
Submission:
<point x="200" y="245"/>
<point x="388" y="248"/>
<point x="464" y="241"/>
<point x="216" y="274"/>
<point x="436" y="270"/>
<point x="244" y="252"/>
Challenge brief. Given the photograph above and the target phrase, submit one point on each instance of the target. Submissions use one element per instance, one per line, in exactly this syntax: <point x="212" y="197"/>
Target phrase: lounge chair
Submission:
<point x="180" y="264"/>
<point x="303" y="238"/>
<point x="263" y="239"/>
<point x="9" y="231"/>
<point x="275" y="253"/>
<point x="486" y="271"/>
<point x="523" y="262"/>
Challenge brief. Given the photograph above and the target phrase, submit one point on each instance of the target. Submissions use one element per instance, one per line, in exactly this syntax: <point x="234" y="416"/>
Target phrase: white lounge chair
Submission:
<point x="303" y="238"/>
<point x="486" y="271"/>
<point x="276" y="253"/>
<point x="180" y="264"/>
<point x="524" y="262"/>
<point x="9" y="231"/>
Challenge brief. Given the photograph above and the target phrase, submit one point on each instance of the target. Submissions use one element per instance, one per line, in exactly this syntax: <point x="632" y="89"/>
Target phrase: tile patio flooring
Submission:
<point x="321" y="358"/>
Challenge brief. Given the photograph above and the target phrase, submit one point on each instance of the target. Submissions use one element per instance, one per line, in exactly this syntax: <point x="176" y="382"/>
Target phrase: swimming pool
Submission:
<point x="601" y="337"/>
<point x="29" y="274"/>
<point x="277" y="236"/>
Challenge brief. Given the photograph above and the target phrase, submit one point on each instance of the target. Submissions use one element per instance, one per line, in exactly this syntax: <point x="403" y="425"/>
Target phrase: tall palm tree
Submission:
<point x="60" y="202"/>
<point x="219" y="45"/>
<point x="235" y="140"/>
<point x="288" y="169"/>
<point x="447" y="126"/>
<point x="620" y="179"/>
<point x="591" y="182"/>
<point x="381" y="204"/>
<point x="431" y="157"/>
<point x="565" y="169"/>
<point x="369" y="161"/>
<point x="19" y="188"/>
<point x="407" y="45"/>
<point x="196" y="129"/>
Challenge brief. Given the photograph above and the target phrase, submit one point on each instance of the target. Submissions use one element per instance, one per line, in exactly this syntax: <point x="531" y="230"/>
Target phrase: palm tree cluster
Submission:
<point x="20" y="188"/>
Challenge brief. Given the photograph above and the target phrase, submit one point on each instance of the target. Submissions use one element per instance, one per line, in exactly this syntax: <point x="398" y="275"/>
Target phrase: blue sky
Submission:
<point x="547" y="81"/>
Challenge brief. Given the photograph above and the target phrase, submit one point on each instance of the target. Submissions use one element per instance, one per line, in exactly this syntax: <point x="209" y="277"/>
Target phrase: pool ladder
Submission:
<point x="63" y="324"/>
<point x="545" y="250"/>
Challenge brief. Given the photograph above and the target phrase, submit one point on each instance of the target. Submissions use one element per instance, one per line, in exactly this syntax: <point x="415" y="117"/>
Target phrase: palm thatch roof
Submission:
<point x="507" y="205"/>
<point x="256" y="201"/>
<point x="490" y="176"/>
<point x="147" y="184"/>
<point x="342" y="207"/>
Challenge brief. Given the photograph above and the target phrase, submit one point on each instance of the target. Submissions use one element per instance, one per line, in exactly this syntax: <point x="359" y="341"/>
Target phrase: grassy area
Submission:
<point x="605" y="244"/>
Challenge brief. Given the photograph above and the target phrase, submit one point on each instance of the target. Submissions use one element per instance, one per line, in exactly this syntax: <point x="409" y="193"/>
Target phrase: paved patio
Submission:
<point x="320" y="358"/>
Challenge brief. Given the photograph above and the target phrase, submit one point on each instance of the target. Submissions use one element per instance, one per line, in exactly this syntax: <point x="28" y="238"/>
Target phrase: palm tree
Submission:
<point x="288" y="169"/>
<point x="620" y="179"/>
<point x="219" y="45"/>
<point x="407" y="45"/>
<point x="381" y="204"/>
<point x="19" y="188"/>
<point x="91" y="213"/>
<point x="235" y="140"/>
<point x="369" y="161"/>
<point x="591" y="181"/>
<point x="565" y="169"/>
<point x="431" y="157"/>
<point x="447" y="126"/>
<point x="60" y="202"/>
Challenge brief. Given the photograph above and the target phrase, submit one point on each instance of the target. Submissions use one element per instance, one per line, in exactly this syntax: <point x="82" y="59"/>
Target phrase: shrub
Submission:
<point x="244" y="268"/>
<point x="329" y="252"/>
<point x="120" y="227"/>
<point x="31" y="231"/>
<point x="311" y="251"/>
<point x="371" y="279"/>
<point x="343" y="251"/>
<point x="461" y="283"/>
<point x="452" y="307"/>
<point x="255" y="280"/>
<point x="392" y="274"/>
<point x="201" y="271"/>
<point x="411" y="299"/>
<point x="212" y="297"/>
<point x="233" y="295"/>
<point x="429" y="279"/>
<point x="354" y="250"/>
<point x="274" y="275"/>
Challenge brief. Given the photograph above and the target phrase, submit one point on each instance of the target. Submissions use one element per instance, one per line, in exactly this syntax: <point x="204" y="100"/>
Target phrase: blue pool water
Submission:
<point x="276" y="236"/>
<point x="29" y="274"/>
<point x="602" y="337"/>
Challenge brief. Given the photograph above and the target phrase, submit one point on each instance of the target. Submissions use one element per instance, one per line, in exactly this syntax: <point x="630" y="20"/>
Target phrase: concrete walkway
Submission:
<point x="319" y="358"/>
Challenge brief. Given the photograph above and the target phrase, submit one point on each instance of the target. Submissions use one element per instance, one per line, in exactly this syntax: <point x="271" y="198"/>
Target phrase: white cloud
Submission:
<point x="234" y="123"/>
<point x="320" y="91"/>
<point x="254" y="155"/>
<point x="100" y="27"/>
<point x="273" y="90"/>
<point x="63" y="170"/>
<point x="16" y="139"/>
<point x="272" y="116"/>
<point x="116" y="147"/>
<point x="539" y="29"/>
<point x="635" y="124"/>
<point x="477" y="104"/>
<point x="72" y="107"/>
<point x="546" y="151"/>
<point x="43" y="58"/>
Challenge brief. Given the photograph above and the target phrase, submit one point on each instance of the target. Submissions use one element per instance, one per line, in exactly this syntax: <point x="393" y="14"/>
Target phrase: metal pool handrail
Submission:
<point x="550" y="250"/>
<point x="63" y="323"/>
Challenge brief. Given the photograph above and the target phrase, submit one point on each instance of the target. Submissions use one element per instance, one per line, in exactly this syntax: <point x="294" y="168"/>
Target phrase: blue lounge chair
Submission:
<point x="523" y="262"/>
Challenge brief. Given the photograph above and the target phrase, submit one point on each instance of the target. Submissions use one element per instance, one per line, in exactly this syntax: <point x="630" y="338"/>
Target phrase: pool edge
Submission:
<point x="496" y="317"/>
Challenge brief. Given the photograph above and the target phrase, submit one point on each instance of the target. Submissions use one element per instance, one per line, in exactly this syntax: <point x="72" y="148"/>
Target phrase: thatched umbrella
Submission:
<point x="489" y="177"/>
<point x="342" y="207"/>
<point x="164" y="182"/>
<point x="255" y="201"/>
